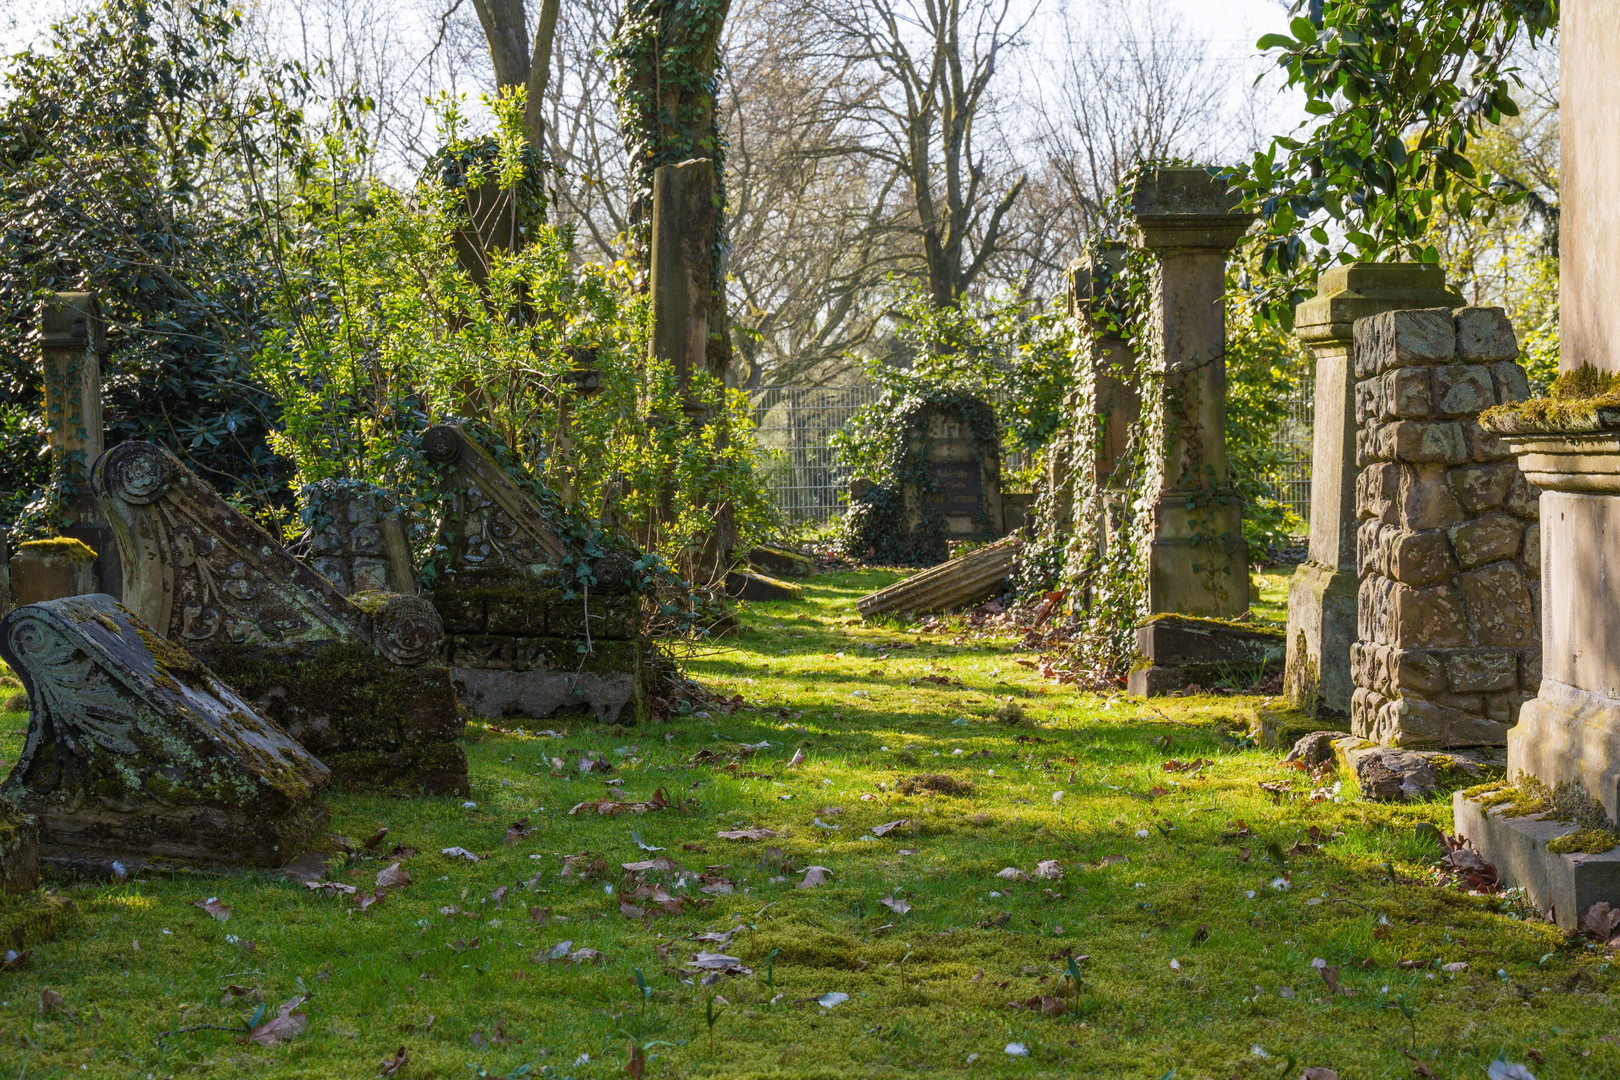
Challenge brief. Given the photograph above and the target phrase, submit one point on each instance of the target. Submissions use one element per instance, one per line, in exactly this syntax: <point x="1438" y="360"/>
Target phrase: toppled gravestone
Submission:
<point x="535" y="625"/>
<point x="137" y="753"/>
<point x="1390" y="774"/>
<point x="354" y="679"/>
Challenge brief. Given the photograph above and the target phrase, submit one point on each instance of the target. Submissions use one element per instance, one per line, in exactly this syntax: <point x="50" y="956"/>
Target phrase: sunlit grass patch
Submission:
<point x="1191" y="904"/>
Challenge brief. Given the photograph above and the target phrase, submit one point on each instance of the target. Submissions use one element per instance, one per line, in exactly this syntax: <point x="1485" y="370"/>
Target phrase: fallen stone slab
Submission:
<point x="137" y="754"/>
<point x="1563" y="885"/>
<point x="779" y="562"/>
<point x="357" y="680"/>
<point x="1393" y="774"/>
<point x="1275" y="724"/>
<point x="743" y="585"/>
<point x="1182" y="650"/>
<point x="979" y="574"/>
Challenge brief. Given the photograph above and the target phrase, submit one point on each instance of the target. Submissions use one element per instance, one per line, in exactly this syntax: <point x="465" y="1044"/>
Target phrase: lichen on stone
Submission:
<point x="1582" y="401"/>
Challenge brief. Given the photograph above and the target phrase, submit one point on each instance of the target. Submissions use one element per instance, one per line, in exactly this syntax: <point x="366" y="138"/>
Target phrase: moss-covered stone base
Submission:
<point x="371" y="721"/>
<point x="33" y="918"/>
<point x="1278" y="725"/>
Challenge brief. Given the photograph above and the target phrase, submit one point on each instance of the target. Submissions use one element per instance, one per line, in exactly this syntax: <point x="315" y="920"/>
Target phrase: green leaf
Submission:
<point x="1274" y="41"/>
<point x="1303" y="30"/>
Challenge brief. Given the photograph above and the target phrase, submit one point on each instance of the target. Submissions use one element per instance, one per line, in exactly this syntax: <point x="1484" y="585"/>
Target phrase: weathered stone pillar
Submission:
<point x="1448" y="643"/>
<point x="1199" y="562"/>
<point x="357" y="538"/>
<point x="1322" y="595"/>
<point x="73" y="336"/>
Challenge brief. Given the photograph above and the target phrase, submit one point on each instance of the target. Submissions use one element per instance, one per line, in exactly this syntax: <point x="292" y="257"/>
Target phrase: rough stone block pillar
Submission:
<point x="1322" y="595"/>
<point x="1448" y="635"/>
<point x="72" y="336"/>
<point x="1199" y="562"/>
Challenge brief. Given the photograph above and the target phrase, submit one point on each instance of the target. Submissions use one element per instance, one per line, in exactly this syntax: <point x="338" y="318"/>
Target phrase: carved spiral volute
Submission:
<point x="136" y="472"/>
<point x="407" y="630"/>
<point x="442" y="444"/>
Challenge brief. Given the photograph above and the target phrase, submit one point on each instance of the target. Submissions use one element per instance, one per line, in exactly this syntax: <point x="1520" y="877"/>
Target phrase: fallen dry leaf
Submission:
<point x="392" y="1065"/>
<point x="336" y="887"/>
<point x="660" y="863"/>
<point x="458" y="853"/>
<point x="214" y="907"/>
<point x="637" y="1062"/>
<point x="49" y="1001"/>
<point x="1012" y="873"/>
<point x="392" y="876"/>
<point x="377" y="838"/>
<point x="746" y="834"/>
<point x="517" y="831"/>
<point x="899" y="907"/>
<point x="797" y="760"/>
<point x="1050" y="869"/>
<point x="586" y="865"/>
<point x="813" y="876"/>
<point x="288" y="1023"/>
<point x="14" y="960"/>
<point x="889" y="826"/>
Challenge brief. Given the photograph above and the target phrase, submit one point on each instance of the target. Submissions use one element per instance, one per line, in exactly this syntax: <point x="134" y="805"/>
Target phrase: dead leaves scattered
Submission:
<point x="1191" y="768"/>
<point x="889" y="826"/>
<point x="899" y="907"/>
<point x="755" y="833"/>
<point x="814" y="876"/>
<point x="1602" y="922"/>
<point x="613" y="807"/>
<point x="215" y="907"/>
<point x="393" y="876"/>
<point x="288" y="1023"/>
<point x="1045" y="1004"/>
<point x="565" y="953"/>
<point x="937" y="783"/>
<point x="587" y="866"/>
<point x="392" y="1065"/>
<point x="1465" y="868"/>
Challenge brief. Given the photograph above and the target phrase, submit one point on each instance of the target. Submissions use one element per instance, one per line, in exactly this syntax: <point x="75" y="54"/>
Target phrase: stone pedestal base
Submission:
<point x="1198" y="562"/>
<point x="1568" y="735"/>
<point x="1179" y="651"/>
<point x="1321" y="629"/>
<point x="51" y="569"/>
<point x="1565" y="885"/>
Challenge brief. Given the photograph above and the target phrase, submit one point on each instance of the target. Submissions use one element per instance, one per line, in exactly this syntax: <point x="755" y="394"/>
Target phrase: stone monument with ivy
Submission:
<point x="1322" y="595"/>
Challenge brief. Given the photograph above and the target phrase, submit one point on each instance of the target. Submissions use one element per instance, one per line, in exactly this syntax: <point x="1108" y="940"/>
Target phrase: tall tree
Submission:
<point x="506" y="28"/>
<point x="939" y="60"/>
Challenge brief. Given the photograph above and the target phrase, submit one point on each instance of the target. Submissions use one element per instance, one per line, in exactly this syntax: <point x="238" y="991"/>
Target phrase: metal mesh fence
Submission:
<point x="1292" y="477"/>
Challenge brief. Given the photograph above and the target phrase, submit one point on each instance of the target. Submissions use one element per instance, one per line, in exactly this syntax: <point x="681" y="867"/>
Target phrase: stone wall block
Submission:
<point x="1376" y="610"/>
<point x="1434" y="616"/>
<point x="1378" y="489"/>
<point x="1532" y="551"/>
<point x="1463" y="389"/>
<point x="1479" y="488"/>
<point x="1425" y="500"/>
<point x="1420" y="336"/>
<point x="1530" y="670"/>
<point x="1523" y="498"/>
<point x="1498" y="605"/>
<point x="1421" y="558"/>
<point x="1499" y="708"/>
<point x="1480" y="671"/>
<point x="1485" y="334"/>
<point x="1417" y="669"/>
<point x="1484" y="446"/>
<point x="1407" y="394"/>
<point x="1512" y="385"/>
<point x="1414" y="722"/>
<point x="1440" y="442"/>
<point x="1486" y="539"/>
<point x="1382" y="672"/>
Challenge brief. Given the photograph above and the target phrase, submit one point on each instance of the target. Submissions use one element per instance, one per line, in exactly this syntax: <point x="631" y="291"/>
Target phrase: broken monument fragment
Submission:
<point x="137" y="753"/>
<point x="537" y="622"/>
<point x="355" y="680"/>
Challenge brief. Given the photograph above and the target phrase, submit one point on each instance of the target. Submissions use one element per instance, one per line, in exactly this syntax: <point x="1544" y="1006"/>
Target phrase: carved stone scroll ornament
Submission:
<point x="202" y="572"/>
<point x="137" y="753"/>
<point x="489" y="521"/>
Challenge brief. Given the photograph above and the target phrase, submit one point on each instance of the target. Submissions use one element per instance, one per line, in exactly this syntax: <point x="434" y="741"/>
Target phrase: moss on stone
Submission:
<point x="1581" y="401"/>
<point x="436" y="768"/>
<point x="32" y="918"/>
<point x="1585" y="841"/>
<point x="1263" y="629"/>
<point x="57" y="547"/>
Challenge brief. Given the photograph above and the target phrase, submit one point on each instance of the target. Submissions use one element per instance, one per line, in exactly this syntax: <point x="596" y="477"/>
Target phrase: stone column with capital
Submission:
<point x="1322" y="595"/>
<point x="1199" y="564"/>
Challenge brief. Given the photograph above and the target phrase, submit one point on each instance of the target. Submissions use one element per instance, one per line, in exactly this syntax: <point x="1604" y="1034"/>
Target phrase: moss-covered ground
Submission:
<point x="1203" y="918"/>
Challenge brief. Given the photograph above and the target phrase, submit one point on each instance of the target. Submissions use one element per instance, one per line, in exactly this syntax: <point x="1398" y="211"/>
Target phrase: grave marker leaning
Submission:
<point x="356" y="680"/>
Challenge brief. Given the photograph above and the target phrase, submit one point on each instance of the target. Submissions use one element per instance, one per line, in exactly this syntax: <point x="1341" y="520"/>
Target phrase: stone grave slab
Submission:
<point x="138" y="753"/>
<point x="1180" y="650"/>
<point x="1563" y="885"/>
<point x="356" y="680"/>
<point x="535" y="625"/>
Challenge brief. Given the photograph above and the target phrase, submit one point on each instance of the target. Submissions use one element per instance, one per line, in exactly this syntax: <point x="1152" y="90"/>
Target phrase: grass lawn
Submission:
<point x="1199" y="953"/>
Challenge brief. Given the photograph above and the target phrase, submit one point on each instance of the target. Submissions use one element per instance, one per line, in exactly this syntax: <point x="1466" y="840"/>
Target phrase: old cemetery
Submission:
<point x="454" y="625"/>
